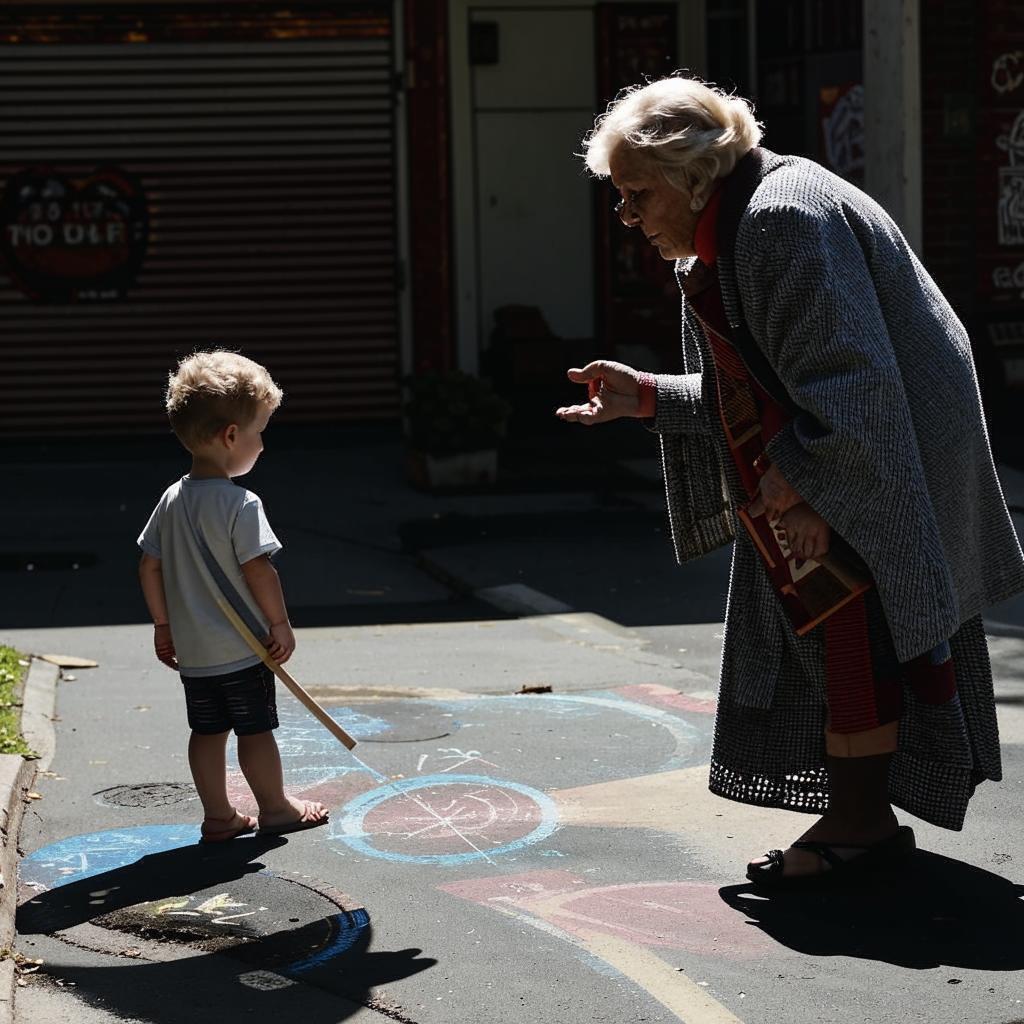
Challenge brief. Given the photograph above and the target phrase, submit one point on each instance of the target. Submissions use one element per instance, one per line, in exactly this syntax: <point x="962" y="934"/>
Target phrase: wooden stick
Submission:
<point x="310" y="702"/>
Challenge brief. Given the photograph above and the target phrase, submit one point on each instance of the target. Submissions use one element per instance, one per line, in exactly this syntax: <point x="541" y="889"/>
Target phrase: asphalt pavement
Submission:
<point x="492" y="855"/>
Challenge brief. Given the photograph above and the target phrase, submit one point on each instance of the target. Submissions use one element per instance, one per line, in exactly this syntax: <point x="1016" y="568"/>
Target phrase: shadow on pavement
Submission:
<point x="186" y="869"/>
<point x="250" y="980"/>
<point x="934" y="911"/>
<point x="207" y="987"/>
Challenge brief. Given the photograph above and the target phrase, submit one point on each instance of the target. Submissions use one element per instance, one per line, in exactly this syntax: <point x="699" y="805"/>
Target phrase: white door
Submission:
<point x="530" y="110"/>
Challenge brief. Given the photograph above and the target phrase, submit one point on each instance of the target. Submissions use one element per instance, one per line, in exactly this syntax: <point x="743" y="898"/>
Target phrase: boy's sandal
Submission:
<point x="223" y="835"/>
<point x="834" y="868"/>
<point x="306" y="821"/>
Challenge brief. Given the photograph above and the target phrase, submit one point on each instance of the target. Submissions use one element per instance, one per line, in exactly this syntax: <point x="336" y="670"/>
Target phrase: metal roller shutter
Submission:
<point x="264" y="145"/>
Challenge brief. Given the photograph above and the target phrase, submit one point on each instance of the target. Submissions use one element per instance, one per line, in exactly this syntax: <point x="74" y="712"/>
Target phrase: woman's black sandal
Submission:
<point x="876" y="856"/>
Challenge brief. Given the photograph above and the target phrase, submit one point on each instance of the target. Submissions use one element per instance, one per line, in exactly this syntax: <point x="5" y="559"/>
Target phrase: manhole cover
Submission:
<point x="206" y="898"/>
<point x="277" y="920"/>
<point x="148" y="889"/>
<point x="147" y="794"/>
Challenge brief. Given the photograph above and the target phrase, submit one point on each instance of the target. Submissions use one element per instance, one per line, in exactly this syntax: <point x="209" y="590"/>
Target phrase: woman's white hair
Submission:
<point x="693" y="132"/>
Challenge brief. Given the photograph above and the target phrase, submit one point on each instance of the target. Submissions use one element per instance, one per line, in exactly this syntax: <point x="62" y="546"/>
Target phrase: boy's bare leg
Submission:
<point x="207" y="759"/>
<point x="260" y="761"/>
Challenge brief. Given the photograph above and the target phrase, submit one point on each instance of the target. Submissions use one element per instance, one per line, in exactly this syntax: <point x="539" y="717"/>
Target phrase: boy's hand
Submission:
<point x="281" y="642"/>
<point x="163" y="644"/>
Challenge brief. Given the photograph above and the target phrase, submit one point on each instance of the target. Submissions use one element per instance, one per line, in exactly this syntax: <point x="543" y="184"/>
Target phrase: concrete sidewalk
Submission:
<point x="420" y="616"/>
<point x="584" y="526"/>
<point x="1007" y="619"/>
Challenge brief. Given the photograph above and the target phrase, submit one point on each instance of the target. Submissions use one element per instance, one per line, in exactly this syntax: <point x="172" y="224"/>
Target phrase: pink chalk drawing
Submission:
<point x="446" y="819"/>
<point x="666" y="697"/>
<point x="687" y="916"/>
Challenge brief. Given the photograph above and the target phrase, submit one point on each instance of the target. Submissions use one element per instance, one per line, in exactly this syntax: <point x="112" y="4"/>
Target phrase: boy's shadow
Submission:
<point x="176" y="872"/>
<point x="933" y="911"/>
<point x="335" y="989"/>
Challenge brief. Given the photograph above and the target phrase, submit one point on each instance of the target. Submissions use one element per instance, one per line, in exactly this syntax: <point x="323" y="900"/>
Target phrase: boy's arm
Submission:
<point x="265" y="585"/>
<point x="151" y="576"/>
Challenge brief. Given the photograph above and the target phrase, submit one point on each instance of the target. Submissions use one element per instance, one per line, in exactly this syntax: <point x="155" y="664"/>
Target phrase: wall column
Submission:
<point x="892" y="111"/>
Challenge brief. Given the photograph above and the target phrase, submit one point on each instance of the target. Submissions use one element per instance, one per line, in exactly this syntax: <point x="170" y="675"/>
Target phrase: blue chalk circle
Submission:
<point x="71" y="860"/>
<point x="350" y="829"/>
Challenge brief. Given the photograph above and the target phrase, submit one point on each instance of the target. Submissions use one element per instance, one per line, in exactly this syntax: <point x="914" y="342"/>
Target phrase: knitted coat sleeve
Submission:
<point x="699" y="509"/>
<point x="680" y="407"/>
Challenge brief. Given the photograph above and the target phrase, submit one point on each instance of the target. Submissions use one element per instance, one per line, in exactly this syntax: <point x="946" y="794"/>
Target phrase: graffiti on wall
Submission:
<point x="1007" y="72"/>
<point x="842" y="129"/>
<point x="64" y="239"/>
<point x="1010" y="209"/>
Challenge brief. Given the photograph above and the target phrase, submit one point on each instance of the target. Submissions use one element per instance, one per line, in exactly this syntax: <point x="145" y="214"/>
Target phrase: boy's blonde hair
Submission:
<point x="211" y="390"/>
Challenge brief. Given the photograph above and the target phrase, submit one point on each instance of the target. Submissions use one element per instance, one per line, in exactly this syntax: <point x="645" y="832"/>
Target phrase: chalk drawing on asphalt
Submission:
<point x="625" y="928"/>
<point x="310" y="755"/>
<point x="211" y="909"/>
<point x="83" y="856"/>
<point x="461" y="758"/>
<point x="687" y="736"/>
<point x="78" y="857"/>
<point x="446" y="819"/>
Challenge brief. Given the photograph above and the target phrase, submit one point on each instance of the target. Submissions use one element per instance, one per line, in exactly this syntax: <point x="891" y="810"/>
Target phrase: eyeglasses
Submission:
<point x="623" y="205"/>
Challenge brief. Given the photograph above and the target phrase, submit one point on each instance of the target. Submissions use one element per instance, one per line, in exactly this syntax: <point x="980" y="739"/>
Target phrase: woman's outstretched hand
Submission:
<point x="613" y="391"/>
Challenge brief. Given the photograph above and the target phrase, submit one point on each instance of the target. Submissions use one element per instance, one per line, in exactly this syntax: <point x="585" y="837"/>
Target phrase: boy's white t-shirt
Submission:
<point x="232" y="522"/>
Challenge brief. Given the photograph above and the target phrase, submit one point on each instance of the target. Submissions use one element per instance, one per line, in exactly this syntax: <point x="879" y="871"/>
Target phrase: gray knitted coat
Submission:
<point x="888" y="445"/>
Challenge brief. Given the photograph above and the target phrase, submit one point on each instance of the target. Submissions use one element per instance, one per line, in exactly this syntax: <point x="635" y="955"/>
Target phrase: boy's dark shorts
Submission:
<point x="243" y="700"/>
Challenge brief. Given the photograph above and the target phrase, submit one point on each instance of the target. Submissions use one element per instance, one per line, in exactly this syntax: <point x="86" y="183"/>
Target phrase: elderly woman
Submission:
<point x="827" y="383"/>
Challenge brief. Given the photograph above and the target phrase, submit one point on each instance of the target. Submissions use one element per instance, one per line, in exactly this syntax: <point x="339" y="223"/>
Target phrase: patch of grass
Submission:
<point x="12" y="676"/>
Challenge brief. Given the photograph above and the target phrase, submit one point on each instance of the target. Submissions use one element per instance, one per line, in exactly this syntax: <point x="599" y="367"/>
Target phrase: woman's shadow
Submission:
<point x="335" y="988"/>
<point x="930" y="911"/>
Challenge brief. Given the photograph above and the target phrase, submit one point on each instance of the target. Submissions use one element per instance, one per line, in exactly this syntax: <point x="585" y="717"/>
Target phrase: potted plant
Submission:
<point x="453" y="422"/>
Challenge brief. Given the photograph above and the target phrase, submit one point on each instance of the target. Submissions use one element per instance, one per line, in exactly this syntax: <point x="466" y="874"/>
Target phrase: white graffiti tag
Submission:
<point x="1010" y="210"/>
<point x="1009" y="278"/>
<point x="1008" y="72"/>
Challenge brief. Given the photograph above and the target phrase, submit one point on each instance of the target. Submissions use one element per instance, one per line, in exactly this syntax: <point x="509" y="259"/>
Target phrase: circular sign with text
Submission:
<point x="67" y="240"/>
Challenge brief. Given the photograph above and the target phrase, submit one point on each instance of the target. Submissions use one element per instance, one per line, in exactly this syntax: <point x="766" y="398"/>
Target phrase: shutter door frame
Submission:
<point x="271" y="169"/>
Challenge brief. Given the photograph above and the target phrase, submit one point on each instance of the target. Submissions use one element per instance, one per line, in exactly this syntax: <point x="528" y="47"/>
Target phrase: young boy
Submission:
<point x="219" y="404"/>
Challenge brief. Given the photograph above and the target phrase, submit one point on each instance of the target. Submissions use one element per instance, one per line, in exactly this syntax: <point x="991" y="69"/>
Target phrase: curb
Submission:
<point x="519" y="599"/>
<point x="16" y="778"/>
<point x="513" y="599"/>
<point x="37" y="708"/>
<point x="16" y="775"/>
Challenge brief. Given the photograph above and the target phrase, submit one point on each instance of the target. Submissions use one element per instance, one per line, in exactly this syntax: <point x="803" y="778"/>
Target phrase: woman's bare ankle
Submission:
<point x="856" y="828"/>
